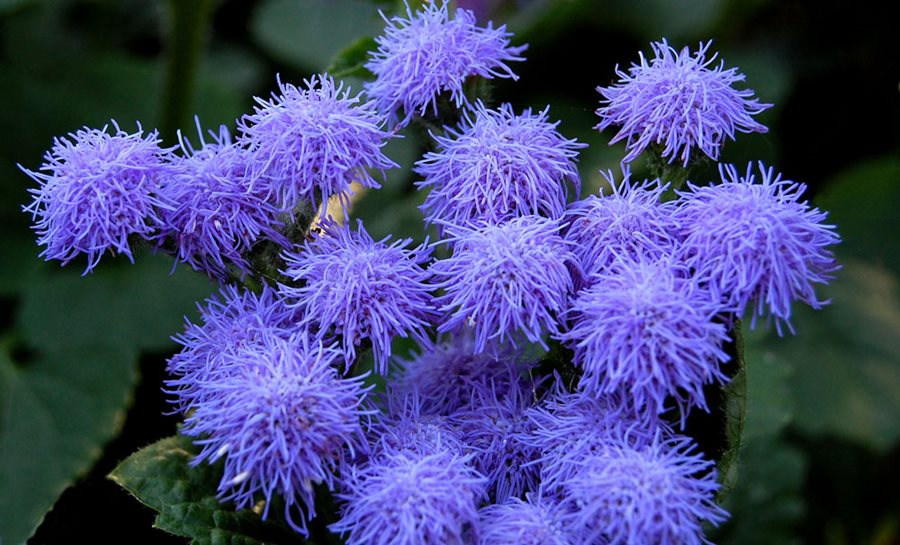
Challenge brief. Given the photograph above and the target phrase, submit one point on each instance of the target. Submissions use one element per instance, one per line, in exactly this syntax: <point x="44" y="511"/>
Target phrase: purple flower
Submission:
<point x="282" y="418"/>
<point x="230" y="321"/>
<point x="406" y="425"/>
<point x="506" y="279"/>
<point x="310" y="143"/>
<point x="679" y="101"/>
<point x="218" y="211"/>
<point x="659" y="493"/>
<point x="629" y="223"/>
<point x="499" y="165"/>
<point x="645" y="330"/>
<point x="346" y="283"/>
<point x="428" y="53"/>
<point x="410" y="499"/>
<point x="97" y="190"/>
<point x="757" y="244"/>
<point x="538" y="521"/>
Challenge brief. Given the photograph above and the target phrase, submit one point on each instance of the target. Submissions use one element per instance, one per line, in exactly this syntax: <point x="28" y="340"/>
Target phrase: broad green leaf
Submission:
<point x="56" y="413"/>
<point x="135" y="306"/>
<point x="309" y="33"/>
<point x="160" y="477"/>
<point x="20" y="260"/>
<point x="350" y="61"/>
<point x="770" y="401"/>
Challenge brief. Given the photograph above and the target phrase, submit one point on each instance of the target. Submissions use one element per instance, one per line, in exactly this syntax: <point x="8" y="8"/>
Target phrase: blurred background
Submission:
<point x="82" y="359"/>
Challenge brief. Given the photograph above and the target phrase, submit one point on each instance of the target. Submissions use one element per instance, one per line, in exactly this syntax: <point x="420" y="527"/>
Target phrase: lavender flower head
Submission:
<point x="310" y="143"/>
<point x="428" y="53"/>
<point x="631" y="223"/>
<point x="410" y="499"/>
<point x="659" y="493"/>
<point x="499" y="165"/>
<point x="757" y="245"/>
<point x="218" y="212"/>
<point x="504" y="280"/>
<point x="679" y="101"/>
<point x="406" y="425"/>
<point x="348" y="284"/>
<point x="646" y="330"/>
<point x="97" y="189"/>
<point x="284" y="421"/>
<point x="538" y="521"/>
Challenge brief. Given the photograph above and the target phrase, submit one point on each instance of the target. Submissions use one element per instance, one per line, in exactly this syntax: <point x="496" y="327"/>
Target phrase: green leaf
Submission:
<point x="160" y="477"/>
<point x="350" y="61"/>
<point x="735" y="409"/>
<point x="56" y="413"/>
<point x="309" y="33"/>
<point x="140" y="305"/>
<point x="770" y="401"/>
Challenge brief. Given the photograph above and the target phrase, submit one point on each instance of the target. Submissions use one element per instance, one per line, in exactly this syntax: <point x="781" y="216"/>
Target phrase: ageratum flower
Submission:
<point x="504" y="280"/>
<point x="757" y="245"/>
<point x="645" y="330"/>
<point x="659" y="493"/>
<point x="283" y="420"/>
<point x="310" y="143"/>
<point x="680" y="102"/>
<point x="218" y="211"/>
<point x="410" y="499"/>
<point x="405" y="425"/>
<point x="498" y="165"/>
<point x="346" y="283"/>
<point x="429" y="53"/>
<point x="230" y="320"/>
<point x="631" y="223"/>
<point x="537" y="521"/>
<point x="97" y="189"/>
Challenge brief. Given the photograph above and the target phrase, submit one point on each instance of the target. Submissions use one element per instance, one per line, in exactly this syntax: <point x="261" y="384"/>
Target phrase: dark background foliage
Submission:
<point x="820" y="449"/>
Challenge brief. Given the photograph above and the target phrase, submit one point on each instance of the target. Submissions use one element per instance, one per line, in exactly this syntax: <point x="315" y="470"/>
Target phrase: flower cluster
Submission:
<point x="561" y="341"/>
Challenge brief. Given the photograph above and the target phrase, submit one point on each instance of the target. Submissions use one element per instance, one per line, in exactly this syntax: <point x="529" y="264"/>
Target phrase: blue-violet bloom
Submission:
<point x="537" y="521"/>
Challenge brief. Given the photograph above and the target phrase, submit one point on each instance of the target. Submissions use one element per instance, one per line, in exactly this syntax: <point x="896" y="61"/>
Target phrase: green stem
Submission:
<point x="188" y="21"/>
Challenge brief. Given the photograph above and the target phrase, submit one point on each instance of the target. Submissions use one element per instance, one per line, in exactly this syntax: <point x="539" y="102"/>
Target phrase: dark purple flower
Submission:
<point x="631" y="222"/>
<point x="310" y="143"/>
<point x="679" y="101"/>
<point x="504" y="280"/>
<point x="218" y="211"/>
<point x="537" y="521"/>
<point x="429" y="53"/>
<point x="646" y="330"/>
<point x="499" y="165"/>
<point x="283" y="420"/>
<point x="350" y="285"/>
<point x="97" y="190"/>
<point x="659" y="493"/>
<point x="410" y="499"/>
<point x="757" y="245"/>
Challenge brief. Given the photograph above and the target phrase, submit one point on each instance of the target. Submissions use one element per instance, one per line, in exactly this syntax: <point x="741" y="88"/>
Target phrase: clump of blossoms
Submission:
<point x="561" y="342"/>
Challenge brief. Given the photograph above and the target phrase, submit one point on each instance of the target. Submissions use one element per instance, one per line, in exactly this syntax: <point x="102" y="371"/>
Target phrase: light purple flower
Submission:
<point x="506" y="280"/>
<point x="757" y="245"/>
<point x="406" y="425"/>
<point x="680" y="101"/>
<point x="537" y="521"/>
<point x="499" y="165"/>
<point x="410" y="499"/>
<point x="218" y="211"/>
<point x="348" y="284"/>
<point x="646" y="330"/>
<point x="428" y="53"/>
<point x="97" y="190"/>
<point x="311" y="142"/>
<point x="283" y="420"/>
<point x="659" y="493"/>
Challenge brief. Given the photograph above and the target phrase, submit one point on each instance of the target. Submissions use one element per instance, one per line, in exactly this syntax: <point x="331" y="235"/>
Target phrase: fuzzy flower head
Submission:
<point x="757" y="245"/>
<point x="97" y="189"/>
<point x="284" y="421"/>
<point x="680" y="101"/>
<point x="311" y="142"/>
<point x="647" y="331"/>
<point x="631" y="223"/>
<point x="505" y="280"/>
<point x="405" y="425"/>
<point x="659" y="493"/>
<point x="348" y="284"/>
<point x="218" y="212"/>
<point x="499" y="165"/>
<point x="410" y="499"/>
<point x="537" y="521"/>
<point x="428" y="53"/>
